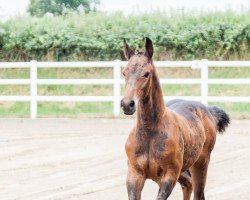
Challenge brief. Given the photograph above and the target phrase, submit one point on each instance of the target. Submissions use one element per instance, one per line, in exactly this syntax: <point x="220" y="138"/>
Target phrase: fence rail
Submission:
<point x="116" y="81"/>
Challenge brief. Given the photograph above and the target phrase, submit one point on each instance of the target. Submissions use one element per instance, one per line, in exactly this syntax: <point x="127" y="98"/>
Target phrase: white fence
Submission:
<point x="203" y="65"/>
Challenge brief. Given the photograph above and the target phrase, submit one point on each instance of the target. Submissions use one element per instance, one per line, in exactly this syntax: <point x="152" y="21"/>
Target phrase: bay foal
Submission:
<point x="168" y="143"/>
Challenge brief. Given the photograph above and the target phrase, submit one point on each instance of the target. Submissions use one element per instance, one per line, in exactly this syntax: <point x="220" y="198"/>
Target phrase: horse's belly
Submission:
<point x="191" y="154"/>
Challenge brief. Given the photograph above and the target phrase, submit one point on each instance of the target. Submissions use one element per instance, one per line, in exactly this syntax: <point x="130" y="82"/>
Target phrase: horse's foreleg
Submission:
<point x="166" y="187"/>
<point x="135" y="183"/>
<point x="186" y="183"/>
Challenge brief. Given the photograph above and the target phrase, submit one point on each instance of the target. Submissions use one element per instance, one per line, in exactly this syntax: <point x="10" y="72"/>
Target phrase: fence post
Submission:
<point x="204" y="79"/>
<point x="33" y="89"/>
<point x="117" y="86"/>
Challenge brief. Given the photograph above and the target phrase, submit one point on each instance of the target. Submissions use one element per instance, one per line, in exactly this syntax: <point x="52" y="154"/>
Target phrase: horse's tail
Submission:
<point x="222" y="119"/>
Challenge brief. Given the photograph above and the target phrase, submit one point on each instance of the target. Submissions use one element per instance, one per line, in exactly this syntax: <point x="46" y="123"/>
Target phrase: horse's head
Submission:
<point x="138" y="76"/>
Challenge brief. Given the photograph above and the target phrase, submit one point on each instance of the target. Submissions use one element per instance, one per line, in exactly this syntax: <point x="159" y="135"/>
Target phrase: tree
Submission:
<point x="59" y="7"/>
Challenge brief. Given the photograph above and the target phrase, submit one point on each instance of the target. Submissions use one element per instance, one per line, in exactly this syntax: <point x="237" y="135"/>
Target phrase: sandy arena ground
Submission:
<point x="84" y="159"/>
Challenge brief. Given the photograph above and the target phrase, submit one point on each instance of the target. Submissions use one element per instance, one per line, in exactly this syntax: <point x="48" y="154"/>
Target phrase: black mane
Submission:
<point x="139" y="53"/>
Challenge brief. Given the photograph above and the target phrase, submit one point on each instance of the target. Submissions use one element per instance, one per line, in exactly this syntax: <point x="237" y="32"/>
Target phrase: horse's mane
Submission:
<point x="139" y="53"/>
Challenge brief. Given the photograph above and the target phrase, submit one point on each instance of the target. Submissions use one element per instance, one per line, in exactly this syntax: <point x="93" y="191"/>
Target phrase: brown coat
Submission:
<point x="166" y="143"/>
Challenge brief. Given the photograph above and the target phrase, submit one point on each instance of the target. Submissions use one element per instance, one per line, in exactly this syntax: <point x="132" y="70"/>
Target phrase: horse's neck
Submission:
<point x="152" y="108"/>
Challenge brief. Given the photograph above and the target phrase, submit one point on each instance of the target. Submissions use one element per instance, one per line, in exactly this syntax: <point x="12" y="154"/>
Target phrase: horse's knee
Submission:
<point x="135" y="183"/>
<point x="199" y="196"/>
<point x="165" y="189"/>
<point x="185" y="181"/>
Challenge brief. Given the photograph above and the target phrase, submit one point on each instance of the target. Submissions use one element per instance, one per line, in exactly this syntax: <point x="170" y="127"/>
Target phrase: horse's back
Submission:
<point x="189" y="109"/>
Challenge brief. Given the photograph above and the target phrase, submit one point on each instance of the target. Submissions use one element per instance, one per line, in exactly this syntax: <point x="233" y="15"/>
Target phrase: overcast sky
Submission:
<point x="14" y="7"/>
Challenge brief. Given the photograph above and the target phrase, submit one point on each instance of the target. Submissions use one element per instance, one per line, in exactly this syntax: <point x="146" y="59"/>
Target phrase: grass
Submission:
<point x="14" y="109"/>
<point x="87" y="109"/>
<point x="235" y="110"/>
<point x="14" y="73"/>
<point x="105" y="109"/>
<point x="75" y="90"/>
<point x="229" y="72"/>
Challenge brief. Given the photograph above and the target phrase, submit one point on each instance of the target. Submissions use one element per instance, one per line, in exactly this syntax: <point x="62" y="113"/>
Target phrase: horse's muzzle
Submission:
<point x="128" y="107"/>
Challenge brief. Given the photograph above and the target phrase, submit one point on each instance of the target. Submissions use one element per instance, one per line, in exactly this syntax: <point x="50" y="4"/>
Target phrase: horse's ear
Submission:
<point x="128" y="52"/>
<point x="149" y="48"/>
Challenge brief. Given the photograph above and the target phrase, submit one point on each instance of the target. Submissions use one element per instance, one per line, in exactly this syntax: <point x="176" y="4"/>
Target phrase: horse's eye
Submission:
<point x="146" y="75"/>
<point x="123" y="73"/>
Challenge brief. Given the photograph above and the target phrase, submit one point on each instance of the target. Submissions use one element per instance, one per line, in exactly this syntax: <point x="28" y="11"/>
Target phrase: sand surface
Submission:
<point x="65" y="159"/>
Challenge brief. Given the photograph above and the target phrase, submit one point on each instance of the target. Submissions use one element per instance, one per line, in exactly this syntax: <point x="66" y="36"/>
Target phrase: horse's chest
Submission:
<point x="148" y="156"/>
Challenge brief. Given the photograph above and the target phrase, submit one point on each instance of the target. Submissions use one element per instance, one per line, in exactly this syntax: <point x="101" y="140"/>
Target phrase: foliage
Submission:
<point x="99" y="36"/>
<point x="58" y="7"/>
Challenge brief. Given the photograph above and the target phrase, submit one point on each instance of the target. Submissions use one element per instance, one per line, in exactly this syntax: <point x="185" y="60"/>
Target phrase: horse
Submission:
<point x="169" y="143"/>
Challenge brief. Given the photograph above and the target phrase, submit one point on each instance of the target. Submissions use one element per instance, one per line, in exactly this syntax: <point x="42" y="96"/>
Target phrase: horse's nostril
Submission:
<point x="122" y="103"/>
<point x="132" y="103"/>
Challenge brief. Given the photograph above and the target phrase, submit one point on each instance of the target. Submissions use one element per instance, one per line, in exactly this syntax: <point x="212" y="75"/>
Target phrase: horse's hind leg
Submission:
<point x="199" y="175"/>
<point x="186" y="183"/>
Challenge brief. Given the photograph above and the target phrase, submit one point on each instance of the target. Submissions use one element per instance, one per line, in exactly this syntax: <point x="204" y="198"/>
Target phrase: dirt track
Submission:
<point x="84" y="159"/>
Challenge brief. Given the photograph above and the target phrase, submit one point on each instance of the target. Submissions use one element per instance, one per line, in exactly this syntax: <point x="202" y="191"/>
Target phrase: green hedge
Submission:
<point x="99" y="36"/>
